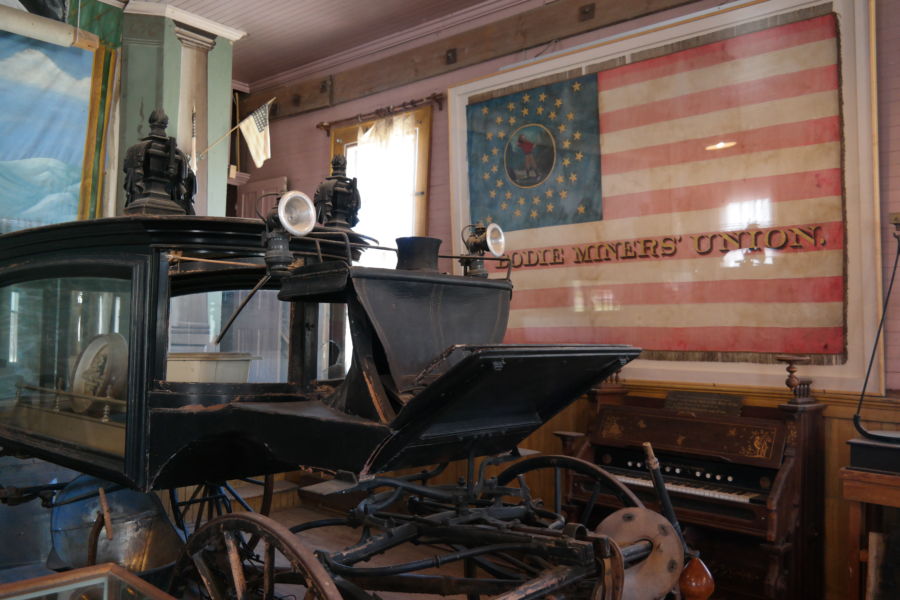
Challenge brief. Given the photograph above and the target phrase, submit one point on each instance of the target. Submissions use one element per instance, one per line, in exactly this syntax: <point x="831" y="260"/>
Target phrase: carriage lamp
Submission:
<point x="295" y="216"/>
<point x="481" y="239"/>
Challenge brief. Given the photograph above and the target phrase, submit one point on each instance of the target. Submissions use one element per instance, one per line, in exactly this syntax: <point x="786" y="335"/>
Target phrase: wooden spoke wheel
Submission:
<point x="576" y="484"/>
<point x="246" y="556"/>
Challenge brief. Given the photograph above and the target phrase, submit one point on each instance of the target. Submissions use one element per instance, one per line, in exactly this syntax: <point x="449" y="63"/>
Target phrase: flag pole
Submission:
<point x="227" y="133"/>
<point x="194" y="157"/>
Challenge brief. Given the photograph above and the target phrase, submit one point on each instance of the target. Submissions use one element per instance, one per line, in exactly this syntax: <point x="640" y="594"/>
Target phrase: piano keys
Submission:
<point x="746" y="487"/>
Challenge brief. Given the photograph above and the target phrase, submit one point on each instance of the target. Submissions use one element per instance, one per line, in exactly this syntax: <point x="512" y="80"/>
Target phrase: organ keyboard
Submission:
<point x="746" y="486"/>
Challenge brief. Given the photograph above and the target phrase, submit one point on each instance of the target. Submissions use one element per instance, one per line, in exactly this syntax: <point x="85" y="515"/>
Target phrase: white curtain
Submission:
<point x="384" y="161"/>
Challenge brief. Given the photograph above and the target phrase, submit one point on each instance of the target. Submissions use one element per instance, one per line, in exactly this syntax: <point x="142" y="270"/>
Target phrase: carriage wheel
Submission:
<point x="209" y="500"/>
<point x="246" y="555"/>
<point x="571" y="477"/>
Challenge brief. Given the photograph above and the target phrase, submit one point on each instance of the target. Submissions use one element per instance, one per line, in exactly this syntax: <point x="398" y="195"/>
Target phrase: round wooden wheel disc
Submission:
<point x="657" y="574"/>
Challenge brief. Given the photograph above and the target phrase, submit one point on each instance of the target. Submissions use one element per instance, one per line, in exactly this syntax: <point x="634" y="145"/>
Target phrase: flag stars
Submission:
<point x="550" y="207"/>
<point x="489" y="219"/>
<point x="564" y="194"/>
<point x="525" y="111"/>
<point x="511" y="106"/>
<point x="566" y="144"/>
<point x="539" y="110"/>
<point x="499" y="183"/>
<point x="577" y="135"/>
<point x="484" y="110"/>
<point x="542" y="97"/>
<point x="536" y="200"/>
<point x="549" y="193"/>
<point x="526" y="98"/>
<point x="492" y="194"/>
<point x="551" y="115"/>
<point x="562" y="127"/>
<point x="517" y="212"/>
<point x="557" y="103"/>
<point x="566" y="161"/>
<point x="494" y="151"/>
<point x="573" y="177"/>
<point x="486" y="176"/>
<point x="498" y="120"/>
<point x="484" y="158"/>
<point x="504" y="205"/>
<point x="580" y="209"/>
<point x="570" y="116"/>
<point x="512" y="121"/>
<point x="501" y="135"/>
<point x="576" y="87"/>
<point x="508" y="195"/>
<point x="579" y="156"/>
<point x="490" y="135"/>
<point x="493" y="168"/>
<point x="521" y="200"/>
<point x="560" y="179"/>
<point x="534" y="214"/>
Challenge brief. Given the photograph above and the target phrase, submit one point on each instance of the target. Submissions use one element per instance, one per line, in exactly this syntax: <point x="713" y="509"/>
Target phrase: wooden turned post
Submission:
<point x="799" y="386"/>
<point x="568" y="441"/>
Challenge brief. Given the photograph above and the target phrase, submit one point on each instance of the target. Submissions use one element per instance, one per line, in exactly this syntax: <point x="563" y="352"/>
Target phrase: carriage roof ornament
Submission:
<point x="158" y="176"/>
<point x="337" y="198"/>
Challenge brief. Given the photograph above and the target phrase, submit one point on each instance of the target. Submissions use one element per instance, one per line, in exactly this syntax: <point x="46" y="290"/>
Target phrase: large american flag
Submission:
<point x="722" y="232"/>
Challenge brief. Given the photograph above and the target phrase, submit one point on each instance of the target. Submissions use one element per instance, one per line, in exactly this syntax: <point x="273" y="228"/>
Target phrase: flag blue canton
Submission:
<point x="534" y="156"/>
<point x="261" y="117"/>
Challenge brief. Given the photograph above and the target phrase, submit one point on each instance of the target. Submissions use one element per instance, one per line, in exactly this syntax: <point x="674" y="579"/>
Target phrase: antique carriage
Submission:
<point x="110" y="365"/>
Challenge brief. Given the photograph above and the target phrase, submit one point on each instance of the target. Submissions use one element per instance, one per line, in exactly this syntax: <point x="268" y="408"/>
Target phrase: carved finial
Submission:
<point x="159" y="120"/>
<point x="799" y="386"/>
<point x="339" y="166"/>
<point x="158" y="177"/>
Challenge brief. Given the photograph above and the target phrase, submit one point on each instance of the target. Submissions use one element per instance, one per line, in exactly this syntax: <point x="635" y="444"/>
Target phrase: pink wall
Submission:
<point x="301" y="151"/>
<point x="888" y="45"/>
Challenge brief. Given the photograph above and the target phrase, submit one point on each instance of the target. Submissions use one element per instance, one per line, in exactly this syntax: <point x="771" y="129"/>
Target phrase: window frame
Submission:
<point x="347" y="135"/>
<point x="125" y="468"/>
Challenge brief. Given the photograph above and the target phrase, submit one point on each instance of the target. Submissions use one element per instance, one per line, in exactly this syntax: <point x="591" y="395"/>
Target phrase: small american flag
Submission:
<point x="722" y="232"/>
<point x="255" y="128"/>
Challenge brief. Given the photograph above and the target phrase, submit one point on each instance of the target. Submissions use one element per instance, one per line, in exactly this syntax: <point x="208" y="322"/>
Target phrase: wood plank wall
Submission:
<point x="529" y="29"/>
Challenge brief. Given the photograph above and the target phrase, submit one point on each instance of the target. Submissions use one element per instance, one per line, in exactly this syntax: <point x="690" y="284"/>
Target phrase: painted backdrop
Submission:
<point x="45" y="91"/>
<point x="717" y="232"/>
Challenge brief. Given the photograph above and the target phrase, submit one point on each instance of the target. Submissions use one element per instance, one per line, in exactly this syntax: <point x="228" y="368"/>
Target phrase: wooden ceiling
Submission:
<point x="283" y="35"/>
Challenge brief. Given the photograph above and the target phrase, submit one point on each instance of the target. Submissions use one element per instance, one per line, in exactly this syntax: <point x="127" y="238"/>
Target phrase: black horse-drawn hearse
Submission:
<point x="152" y="352"/>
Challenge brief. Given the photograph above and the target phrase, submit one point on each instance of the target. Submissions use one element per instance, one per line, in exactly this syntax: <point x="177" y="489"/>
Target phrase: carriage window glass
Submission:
<point x="254" y="350"/>
<point x="64" y="360"/>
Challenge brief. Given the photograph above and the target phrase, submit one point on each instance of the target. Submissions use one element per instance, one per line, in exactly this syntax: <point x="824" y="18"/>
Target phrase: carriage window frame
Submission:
<point x="131" y="269"/>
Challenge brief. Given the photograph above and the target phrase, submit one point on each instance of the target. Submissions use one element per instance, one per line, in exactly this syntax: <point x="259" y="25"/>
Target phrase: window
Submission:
<point x="389" y="157"/>
<point x="64" y="360"/>
<point x="254" y="350"/>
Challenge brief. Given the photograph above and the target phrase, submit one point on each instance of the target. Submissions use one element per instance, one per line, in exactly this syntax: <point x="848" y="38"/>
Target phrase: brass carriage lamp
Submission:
<point x="294" y="215"/>
<point x="481" y="239"/>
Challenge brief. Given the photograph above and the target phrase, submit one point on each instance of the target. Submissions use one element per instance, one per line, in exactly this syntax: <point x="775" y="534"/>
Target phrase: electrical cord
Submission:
<point x="857" y="422"/>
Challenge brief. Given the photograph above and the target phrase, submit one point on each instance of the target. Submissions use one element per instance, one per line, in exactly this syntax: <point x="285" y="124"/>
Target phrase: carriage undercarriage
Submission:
<point x="503" y="542"/>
